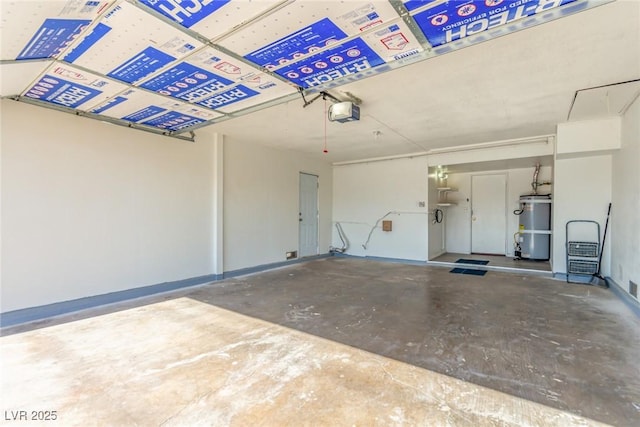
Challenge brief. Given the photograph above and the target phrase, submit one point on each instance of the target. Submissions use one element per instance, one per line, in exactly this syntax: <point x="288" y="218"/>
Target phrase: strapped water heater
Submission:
<point x="534" y="231"/>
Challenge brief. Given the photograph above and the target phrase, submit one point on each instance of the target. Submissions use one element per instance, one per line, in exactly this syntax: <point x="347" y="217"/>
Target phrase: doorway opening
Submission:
<point x="476" y="205"/>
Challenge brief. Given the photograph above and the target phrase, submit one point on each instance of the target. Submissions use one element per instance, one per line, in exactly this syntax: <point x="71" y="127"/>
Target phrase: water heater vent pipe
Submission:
<point x="535" y="184"/>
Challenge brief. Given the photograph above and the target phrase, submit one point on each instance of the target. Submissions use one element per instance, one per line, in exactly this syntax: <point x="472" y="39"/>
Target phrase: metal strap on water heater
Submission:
<point x="535" y="201"/>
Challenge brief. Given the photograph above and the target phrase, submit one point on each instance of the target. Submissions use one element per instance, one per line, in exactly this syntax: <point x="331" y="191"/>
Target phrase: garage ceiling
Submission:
<point x="174" y="66"/>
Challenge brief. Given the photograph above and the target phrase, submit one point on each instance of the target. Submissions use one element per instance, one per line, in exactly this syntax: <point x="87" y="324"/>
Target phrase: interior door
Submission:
<point x="308" y="215"/>
<point x="488" y="214"/>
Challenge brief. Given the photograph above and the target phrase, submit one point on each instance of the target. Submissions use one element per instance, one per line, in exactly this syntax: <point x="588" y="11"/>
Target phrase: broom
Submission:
<point x="597" y="274"/>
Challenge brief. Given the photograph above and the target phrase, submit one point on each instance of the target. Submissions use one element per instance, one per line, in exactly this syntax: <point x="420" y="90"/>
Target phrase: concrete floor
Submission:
<point x="338" y="341"/>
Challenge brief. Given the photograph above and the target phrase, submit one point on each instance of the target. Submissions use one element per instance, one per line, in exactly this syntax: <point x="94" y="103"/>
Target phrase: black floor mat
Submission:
<point x="468" y="271"/>
<point x="472" y="261"/>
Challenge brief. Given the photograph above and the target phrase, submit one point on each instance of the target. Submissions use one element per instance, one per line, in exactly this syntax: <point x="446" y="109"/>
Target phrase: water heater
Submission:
<point x="535" y="226"/>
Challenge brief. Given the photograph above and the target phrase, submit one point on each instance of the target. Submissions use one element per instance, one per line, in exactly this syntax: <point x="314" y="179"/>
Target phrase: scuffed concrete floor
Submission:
<point x="336" y="342"/>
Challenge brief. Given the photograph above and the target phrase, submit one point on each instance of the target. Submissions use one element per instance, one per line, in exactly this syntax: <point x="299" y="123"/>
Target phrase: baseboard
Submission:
<point x="17" y="317"/>
<point x="31" y="314"/>
<point x="383" y="259"/>
<point x="271" y="266"/>
<point x="618" y="290"/>
<point x="575" y="278"/>
<point x="621" y="293"/>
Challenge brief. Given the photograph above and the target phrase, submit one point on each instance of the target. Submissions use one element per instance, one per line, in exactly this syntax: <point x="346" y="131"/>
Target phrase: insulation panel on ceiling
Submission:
<point x="68" y="86"/>
<point x="348" y="58"/>
<point x="214" y="18"/>
<point x="218" y="81"/>
<point x="33" y="30"/>
<point x="138" y="106"/>
<point x="310" y="43"/>
<point x="451" y="21"/>
<point x="175" y="64"/>
<point x="129" y="45"/>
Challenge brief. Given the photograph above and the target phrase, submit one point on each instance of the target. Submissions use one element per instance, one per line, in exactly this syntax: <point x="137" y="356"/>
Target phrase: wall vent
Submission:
<point x="633" y="289"/>
<point x="292" y="254"/>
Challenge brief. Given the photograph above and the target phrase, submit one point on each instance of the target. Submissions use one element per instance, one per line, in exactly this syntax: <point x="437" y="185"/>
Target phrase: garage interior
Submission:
<point x="320" y="212"/>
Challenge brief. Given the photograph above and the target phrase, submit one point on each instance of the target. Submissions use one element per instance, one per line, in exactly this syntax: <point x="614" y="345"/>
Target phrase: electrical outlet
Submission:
<point x="292" y="254"/>
<point x="633" y="289"/>
<point x="421" y="204"/>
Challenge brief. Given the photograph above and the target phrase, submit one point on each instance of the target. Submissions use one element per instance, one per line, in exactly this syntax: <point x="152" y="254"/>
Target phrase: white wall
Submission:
<point x="583" y="176"/>
<point x="625" y="211"/>
<point x="261" y="187"/>
<point x="90" y="208"/>
<point x="582" y="191"/>
<point x="589" y="136"/>
<point x="458" y="217"/>
<point x="496" y="150"/>
<point x="363" y="193"/>
<point x="436" y="230"/>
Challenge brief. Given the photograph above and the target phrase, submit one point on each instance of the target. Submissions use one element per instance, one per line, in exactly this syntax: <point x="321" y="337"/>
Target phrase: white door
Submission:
<point x="308" y="215"/>
<point x="488" y="214"/>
